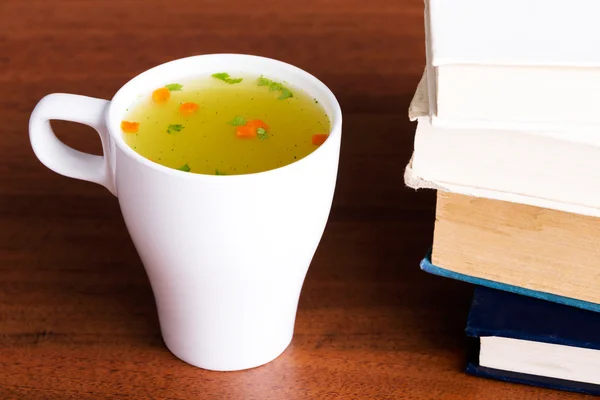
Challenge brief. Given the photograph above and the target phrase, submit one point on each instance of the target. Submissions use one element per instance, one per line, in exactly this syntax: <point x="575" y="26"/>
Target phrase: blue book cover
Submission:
<point x="427" y="266"/>
<point x="505" y="314"/>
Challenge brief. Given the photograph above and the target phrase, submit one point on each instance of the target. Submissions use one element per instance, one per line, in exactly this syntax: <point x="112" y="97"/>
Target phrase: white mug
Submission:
<point x="226" y="274"/>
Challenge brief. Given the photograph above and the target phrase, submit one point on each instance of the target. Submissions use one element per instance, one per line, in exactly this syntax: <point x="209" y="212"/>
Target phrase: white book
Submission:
<point x="529" y="167"/>
<point x="523" y="64"/>
<point x="563" y="33"/>
<point x="420" y="107"/>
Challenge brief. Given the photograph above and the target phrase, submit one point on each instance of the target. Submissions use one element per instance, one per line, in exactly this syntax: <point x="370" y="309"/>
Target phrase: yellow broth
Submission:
<point x="203" y="137"/>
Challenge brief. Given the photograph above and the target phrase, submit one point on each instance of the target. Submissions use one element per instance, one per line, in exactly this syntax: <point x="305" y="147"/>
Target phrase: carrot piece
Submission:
<point x="245" y="131"/>
<point x="319" y="138"/>
<point x="161" y="95"/>
<point x="257" y="123"/>
<point x="188" y="108"/>
<point x="130" y="127"/>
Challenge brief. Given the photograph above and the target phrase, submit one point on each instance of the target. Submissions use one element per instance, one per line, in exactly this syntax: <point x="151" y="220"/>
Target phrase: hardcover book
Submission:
<point x="531" y="341"/>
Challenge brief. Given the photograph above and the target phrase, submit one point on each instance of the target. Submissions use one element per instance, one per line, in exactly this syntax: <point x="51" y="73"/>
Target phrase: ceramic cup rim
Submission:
<point x="122" y="96"/>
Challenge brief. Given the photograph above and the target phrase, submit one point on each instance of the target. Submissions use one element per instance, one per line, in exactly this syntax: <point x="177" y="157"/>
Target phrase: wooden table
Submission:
<point x="77" y="317"/>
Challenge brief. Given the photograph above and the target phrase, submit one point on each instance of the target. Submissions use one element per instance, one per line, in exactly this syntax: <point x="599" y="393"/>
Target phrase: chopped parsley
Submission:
<point x="285" y="93"/>
<point x="185" y="168"/>
<point x="262" y="81"/>
<point x="238" y="121"/>
<point x="173" y="128"/>
<point x="261" y="133"/>
<point x="174" y="87"/>
<point x="275" y="86"/>
<point x="224" y="76"/>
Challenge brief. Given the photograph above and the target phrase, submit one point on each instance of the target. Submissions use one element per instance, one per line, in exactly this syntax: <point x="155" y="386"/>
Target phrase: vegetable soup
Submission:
<point x="225" y="125"/>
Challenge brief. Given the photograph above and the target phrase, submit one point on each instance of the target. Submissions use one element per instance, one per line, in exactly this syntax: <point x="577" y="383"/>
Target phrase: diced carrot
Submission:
<point x="319" y="138"/>
<point x="245" y="131"/>
<point x="161" y="95"/>
<point x="188" y="108"/>
<point x="257" y="123"/>
<point x="130" y="127"/>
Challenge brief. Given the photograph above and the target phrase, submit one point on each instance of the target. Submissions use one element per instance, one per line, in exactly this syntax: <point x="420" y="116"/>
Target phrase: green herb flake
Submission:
<point x="174" y="87"/>
<point x="285" y="94"/>
<point x="173" y="128"/>
<point x="185" y="168"/>
<point x="221" y="75"/>
<point x="217" y="172"/>
<point x="224" y="76"/>
<point x="262" y="133"/>
<point x="275" y="86"/>
<point x="238" y="121"/>
<point x="262" y="81"/>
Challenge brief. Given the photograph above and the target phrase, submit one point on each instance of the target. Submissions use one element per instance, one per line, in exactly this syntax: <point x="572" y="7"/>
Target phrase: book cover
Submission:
<point x="475" y="32"/>
<point x="500" y="313"/>
<point x="473" y="368"/>
<point x="444" y="159"/>
<point x="428" y="267"/>
<point x="423" y="107"/>
<point x="475" y="66"/>
<point x="416" y="181"/>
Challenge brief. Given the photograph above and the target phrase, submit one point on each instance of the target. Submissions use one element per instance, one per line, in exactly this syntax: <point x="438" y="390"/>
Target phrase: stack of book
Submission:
<point x="508" y="134"/>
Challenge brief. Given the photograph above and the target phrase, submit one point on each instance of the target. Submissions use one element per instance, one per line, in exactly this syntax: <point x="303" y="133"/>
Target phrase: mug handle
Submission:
<point x="61" y="158"/>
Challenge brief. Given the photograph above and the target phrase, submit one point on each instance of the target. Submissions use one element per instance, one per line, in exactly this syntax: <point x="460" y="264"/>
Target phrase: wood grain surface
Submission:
<point x="77" y="316"/>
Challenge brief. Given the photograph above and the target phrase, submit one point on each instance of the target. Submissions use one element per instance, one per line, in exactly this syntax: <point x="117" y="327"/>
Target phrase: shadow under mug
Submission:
<point x="226" y="275"/>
